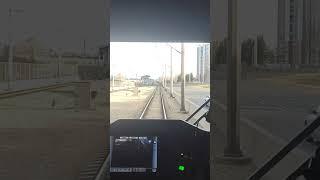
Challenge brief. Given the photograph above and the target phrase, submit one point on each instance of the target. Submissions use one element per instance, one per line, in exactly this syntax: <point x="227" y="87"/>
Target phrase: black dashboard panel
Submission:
<point x="160" y="149"/>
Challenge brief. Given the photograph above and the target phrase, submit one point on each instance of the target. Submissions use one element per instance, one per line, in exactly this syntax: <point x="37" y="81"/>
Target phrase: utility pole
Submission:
<point x="165" y="76"/>
<point x="107" y="109"/>
<point x="211" y="109"/>
<point x="255" y="52"/>
<point x="112" y="82"/>
<point x="182" y="69"/>
<point x="232" y="149"/>
<point x="162" y="79"/>
<point x="10" y="45"/>
<point x="84" y="47"/>
<point x="183" y="79"/>
<point x="59" y="68"/>
<point x="10" y="55"/>
<point x="203" y="64"/>
<point x="171" y="74"/>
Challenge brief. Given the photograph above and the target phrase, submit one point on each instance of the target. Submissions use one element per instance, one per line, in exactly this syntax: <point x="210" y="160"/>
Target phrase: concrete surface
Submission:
<point x="257" y="140"/>
<point x="221" y="170"/>
<point x="269" y="104"/>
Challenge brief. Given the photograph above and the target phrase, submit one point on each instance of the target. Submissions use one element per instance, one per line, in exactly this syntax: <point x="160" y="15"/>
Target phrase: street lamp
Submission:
<point x="10" y="44"/>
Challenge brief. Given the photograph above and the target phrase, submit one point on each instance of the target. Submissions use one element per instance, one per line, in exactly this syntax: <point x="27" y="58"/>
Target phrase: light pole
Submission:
<point x="182" y="108"/>
<point x="211" y="110"/>
<point x="58" y="65"/>
<point x="59" y="57"/>
<point x="171" y="74"/>
<point x="10" y="45"/>
<point x="232" y="149"/>
<point x="183" y="80"/>
<point x="162" y="79"/>
<point x="165" y="76"/>
<point x="171" y="68"/>
<point x="112" y="82"/>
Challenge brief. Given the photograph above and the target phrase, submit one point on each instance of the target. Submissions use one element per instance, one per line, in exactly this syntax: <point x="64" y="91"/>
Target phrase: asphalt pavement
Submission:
<point x="278" y="108"/>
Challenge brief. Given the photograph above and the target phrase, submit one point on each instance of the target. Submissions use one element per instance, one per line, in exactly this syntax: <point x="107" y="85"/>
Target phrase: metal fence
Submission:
<point x="29" y="71"/>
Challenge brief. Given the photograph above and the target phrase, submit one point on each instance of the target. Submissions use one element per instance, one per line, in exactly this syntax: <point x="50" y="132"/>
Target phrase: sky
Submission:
<point x="67" y="23"/>
<point x="254" y="17"/>
<point x="138" y="59"/>
<point x="56" y="23"/>
<point x="179" y="21"/>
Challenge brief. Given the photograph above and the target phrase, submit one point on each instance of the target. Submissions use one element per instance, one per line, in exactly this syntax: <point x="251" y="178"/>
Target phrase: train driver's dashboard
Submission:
<point x="158" y="149"/>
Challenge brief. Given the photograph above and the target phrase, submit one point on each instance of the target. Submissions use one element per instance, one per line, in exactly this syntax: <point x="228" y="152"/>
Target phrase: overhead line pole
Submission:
<point x="232" y="151"/>
<point x="10" y="46"/>
<point x="182" y="75"/>
<point x="183" y="79"/>
<point x="171" y="74"/>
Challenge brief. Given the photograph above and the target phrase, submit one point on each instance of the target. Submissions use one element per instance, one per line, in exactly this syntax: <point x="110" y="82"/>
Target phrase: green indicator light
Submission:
<point x="181" y="168"/>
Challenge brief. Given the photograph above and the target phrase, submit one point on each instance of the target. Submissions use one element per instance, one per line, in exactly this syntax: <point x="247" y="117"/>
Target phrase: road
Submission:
<point x="278" y="108"/>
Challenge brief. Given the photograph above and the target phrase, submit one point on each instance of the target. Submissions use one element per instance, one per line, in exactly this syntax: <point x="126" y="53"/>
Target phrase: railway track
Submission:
<point x="155" y="106"/>
<point x="31" y="90"/>
<point x="153" y="109"/>
<point x="96" y="169"/>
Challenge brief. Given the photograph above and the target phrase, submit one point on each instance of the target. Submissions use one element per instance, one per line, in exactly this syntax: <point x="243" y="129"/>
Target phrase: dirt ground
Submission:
<point x="53" y="153"/>
<point x="128" y="104"/>
<point x="42" y="142"/>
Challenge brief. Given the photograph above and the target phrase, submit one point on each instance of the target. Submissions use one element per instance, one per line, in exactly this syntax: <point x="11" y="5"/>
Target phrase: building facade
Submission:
<point x="298" y="32"/>
<point x="203" y="63"/>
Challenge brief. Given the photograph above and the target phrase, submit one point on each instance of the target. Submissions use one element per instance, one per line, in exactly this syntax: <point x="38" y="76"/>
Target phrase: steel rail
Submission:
<point x="164" y="112"/>
<point x="146" y="107"/>
<point x="103" y="172"/>
<point x="32" y="90"/>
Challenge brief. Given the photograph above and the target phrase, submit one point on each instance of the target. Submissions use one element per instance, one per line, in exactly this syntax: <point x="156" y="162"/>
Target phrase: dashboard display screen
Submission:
<point x="133" y="154"/>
